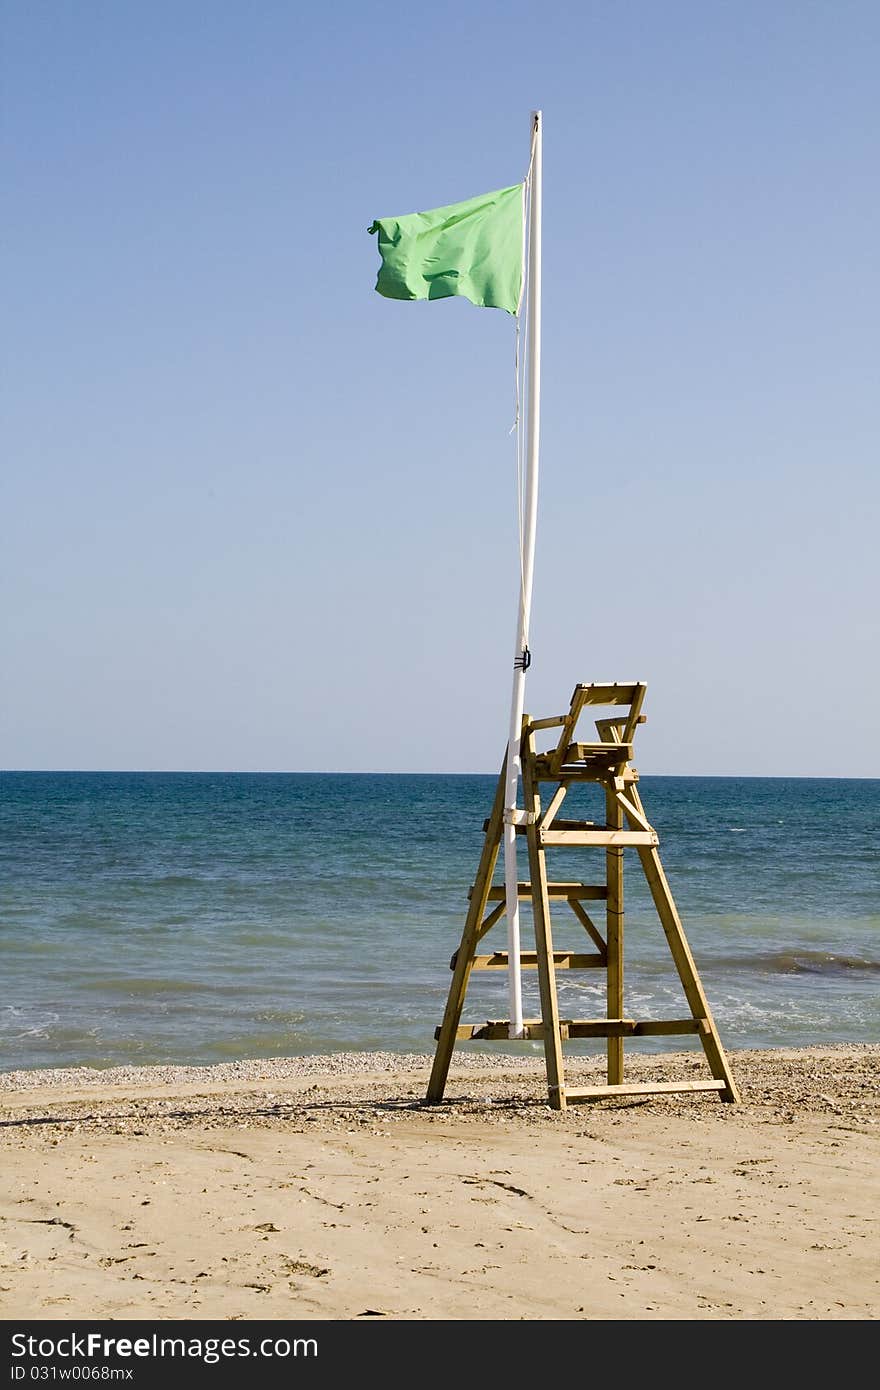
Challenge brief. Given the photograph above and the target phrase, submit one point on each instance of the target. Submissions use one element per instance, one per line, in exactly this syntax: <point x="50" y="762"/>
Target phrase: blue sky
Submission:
<point x="256" y="517"/>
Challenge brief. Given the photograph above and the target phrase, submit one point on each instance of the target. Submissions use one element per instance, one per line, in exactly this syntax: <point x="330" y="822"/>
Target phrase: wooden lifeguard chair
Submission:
<point x="608" y="763"/>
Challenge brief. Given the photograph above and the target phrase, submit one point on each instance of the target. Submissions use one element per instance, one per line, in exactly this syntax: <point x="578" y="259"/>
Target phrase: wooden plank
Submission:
<point x="645" y="1088"/>
<point x="495" y="1030"/>
<point x="618" y="723"/>
<point x="668" y="1026"/>
<point x="611" y="752"/>
<point x="556" y="758"/>
<point x="593" y="1027"/>
<point x="611" y="693"/>
<point x="633" y="814"/>
<point x="589" y="926"/>
<point x="498" y="1030"/>
<point x="581" y="772"/>
<point x="554" y="723"/>
<point x="490" y="919"/>
<point x="615" y="1029"/>
<point x="555" y="802"/>
<point x="567" y="824"/>
<point x="570" y="891"/>
<point x="599" y="837"/>
<point x="583" y="759"/>
<point x="635" y="715"/>
<point x="605" y="727"/>
<point x="485" y="926"/>
<point x="562" y="960"/>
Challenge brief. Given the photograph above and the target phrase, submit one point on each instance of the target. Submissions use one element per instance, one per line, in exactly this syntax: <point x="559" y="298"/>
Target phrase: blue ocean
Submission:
<point x="197" y="918"/>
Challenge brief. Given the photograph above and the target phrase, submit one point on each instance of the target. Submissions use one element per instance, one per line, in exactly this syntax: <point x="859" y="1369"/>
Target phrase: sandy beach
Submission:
<point x="323" y="1188"/>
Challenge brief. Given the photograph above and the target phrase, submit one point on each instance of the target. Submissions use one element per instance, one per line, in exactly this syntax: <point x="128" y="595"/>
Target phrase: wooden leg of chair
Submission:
<point x="466" y="951"/>
<point x="543" y="936"/>
<point x="685" y="965"/>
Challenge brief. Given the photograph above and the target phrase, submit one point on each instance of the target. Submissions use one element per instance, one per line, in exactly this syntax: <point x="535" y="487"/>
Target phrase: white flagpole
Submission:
<point x="530" y="517"/>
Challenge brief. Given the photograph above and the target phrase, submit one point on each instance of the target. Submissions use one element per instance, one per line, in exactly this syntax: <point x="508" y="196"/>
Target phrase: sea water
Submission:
<point x="195" y="918"/>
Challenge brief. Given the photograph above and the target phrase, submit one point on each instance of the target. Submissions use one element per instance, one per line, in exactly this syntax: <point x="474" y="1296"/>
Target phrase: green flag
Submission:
<point x="473" y="248"/>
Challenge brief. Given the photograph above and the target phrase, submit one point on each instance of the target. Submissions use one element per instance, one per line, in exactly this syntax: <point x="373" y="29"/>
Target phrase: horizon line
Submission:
<point x="342" y="772"/>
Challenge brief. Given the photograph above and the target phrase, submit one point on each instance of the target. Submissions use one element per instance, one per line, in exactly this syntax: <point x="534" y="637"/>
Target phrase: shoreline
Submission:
<point x="358" y="1062"/>
<point x="323" y="1187"/>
